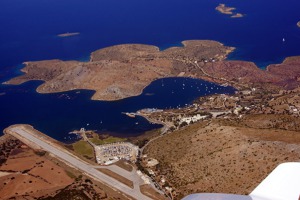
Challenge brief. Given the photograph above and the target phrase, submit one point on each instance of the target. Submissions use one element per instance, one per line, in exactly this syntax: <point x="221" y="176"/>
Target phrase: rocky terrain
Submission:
<point x="225" y="153"/>
<point x="112" y="72"/>
<point x="221" y="157"/>
<point x="285" y="75"/>
<point x="222" y="8"/>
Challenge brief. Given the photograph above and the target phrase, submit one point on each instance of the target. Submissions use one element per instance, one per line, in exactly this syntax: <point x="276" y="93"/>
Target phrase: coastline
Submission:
<point x="248" y="133"/>
<point x="141" y="65"/>
<point x="112" y="71"/>
<point x="114" y="123"/>
<point x="38" y="141"/>
<point x="248" y="118"/>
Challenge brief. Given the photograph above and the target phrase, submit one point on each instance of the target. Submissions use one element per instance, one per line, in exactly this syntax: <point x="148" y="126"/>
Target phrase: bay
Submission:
<point x="29" y="32"/>
<point x="60" y="113"/>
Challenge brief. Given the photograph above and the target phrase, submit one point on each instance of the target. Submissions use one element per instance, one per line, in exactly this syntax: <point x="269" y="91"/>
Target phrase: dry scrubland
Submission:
<point x="112" y="71"/>
<point x="253" y="131"/>
<point x="29" y="174"/>
<point x="222" y="155"/>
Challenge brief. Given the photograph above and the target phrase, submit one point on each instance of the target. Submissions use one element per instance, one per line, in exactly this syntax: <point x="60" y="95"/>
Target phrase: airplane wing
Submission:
<point x="283" y="183"/>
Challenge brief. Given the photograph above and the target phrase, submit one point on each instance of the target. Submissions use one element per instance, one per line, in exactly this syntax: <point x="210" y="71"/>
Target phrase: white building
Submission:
<point x="194" y="118"/>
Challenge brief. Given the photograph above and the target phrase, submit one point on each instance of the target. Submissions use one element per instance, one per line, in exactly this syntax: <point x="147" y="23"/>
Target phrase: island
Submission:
<point x="237" y="15"/>
<point x="68" y="34"/>
<point x="222" y="8"/>
<point x="112" y="71"/>
<point x="298" y="24"/>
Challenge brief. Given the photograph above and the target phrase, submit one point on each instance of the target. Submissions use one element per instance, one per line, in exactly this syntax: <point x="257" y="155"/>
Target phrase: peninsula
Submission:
<point x="298" y="24"/>
<point x="68" y="34"/>
<point x="112" y="71"/>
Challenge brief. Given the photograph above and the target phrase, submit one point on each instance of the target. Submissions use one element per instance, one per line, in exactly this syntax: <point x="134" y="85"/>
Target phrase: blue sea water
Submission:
<point x="28" y="32"/>
<point x="58" y="114"/>
<point x="29" y="28"/>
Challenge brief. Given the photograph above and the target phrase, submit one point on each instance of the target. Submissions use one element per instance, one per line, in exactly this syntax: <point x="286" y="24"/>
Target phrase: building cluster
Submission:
<point x="110" y="153"/>
<point x="192" y="119"/>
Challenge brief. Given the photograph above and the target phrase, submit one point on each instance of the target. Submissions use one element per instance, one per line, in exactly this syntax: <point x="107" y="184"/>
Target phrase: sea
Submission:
<point x="266" y="34"/>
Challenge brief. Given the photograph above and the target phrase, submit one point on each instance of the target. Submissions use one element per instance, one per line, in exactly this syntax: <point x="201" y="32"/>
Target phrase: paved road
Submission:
<point x="79" y="164"/>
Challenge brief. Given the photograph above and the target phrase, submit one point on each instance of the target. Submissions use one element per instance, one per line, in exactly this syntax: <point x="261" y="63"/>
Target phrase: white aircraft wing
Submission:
<point x="283" y="183"/>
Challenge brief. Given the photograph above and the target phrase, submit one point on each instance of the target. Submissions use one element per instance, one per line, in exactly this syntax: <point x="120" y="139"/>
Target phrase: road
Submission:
<point x="79" y="164"/>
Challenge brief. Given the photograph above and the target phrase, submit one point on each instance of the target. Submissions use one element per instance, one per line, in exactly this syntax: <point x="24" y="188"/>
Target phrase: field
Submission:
<point x="84" y="148"/>
<point x="105" y="140"/>
<point x="29" y="174"/>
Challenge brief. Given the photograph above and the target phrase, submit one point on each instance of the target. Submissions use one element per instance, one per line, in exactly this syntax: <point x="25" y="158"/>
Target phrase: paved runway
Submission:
<point x="79" y="164"/>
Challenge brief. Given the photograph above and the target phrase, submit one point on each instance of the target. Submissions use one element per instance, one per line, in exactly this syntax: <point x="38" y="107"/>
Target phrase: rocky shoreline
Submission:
<point x="112" y="71"/>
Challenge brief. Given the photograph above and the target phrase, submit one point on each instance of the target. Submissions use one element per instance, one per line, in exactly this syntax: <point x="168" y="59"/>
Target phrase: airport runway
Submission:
<point x="79" y="164"/>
